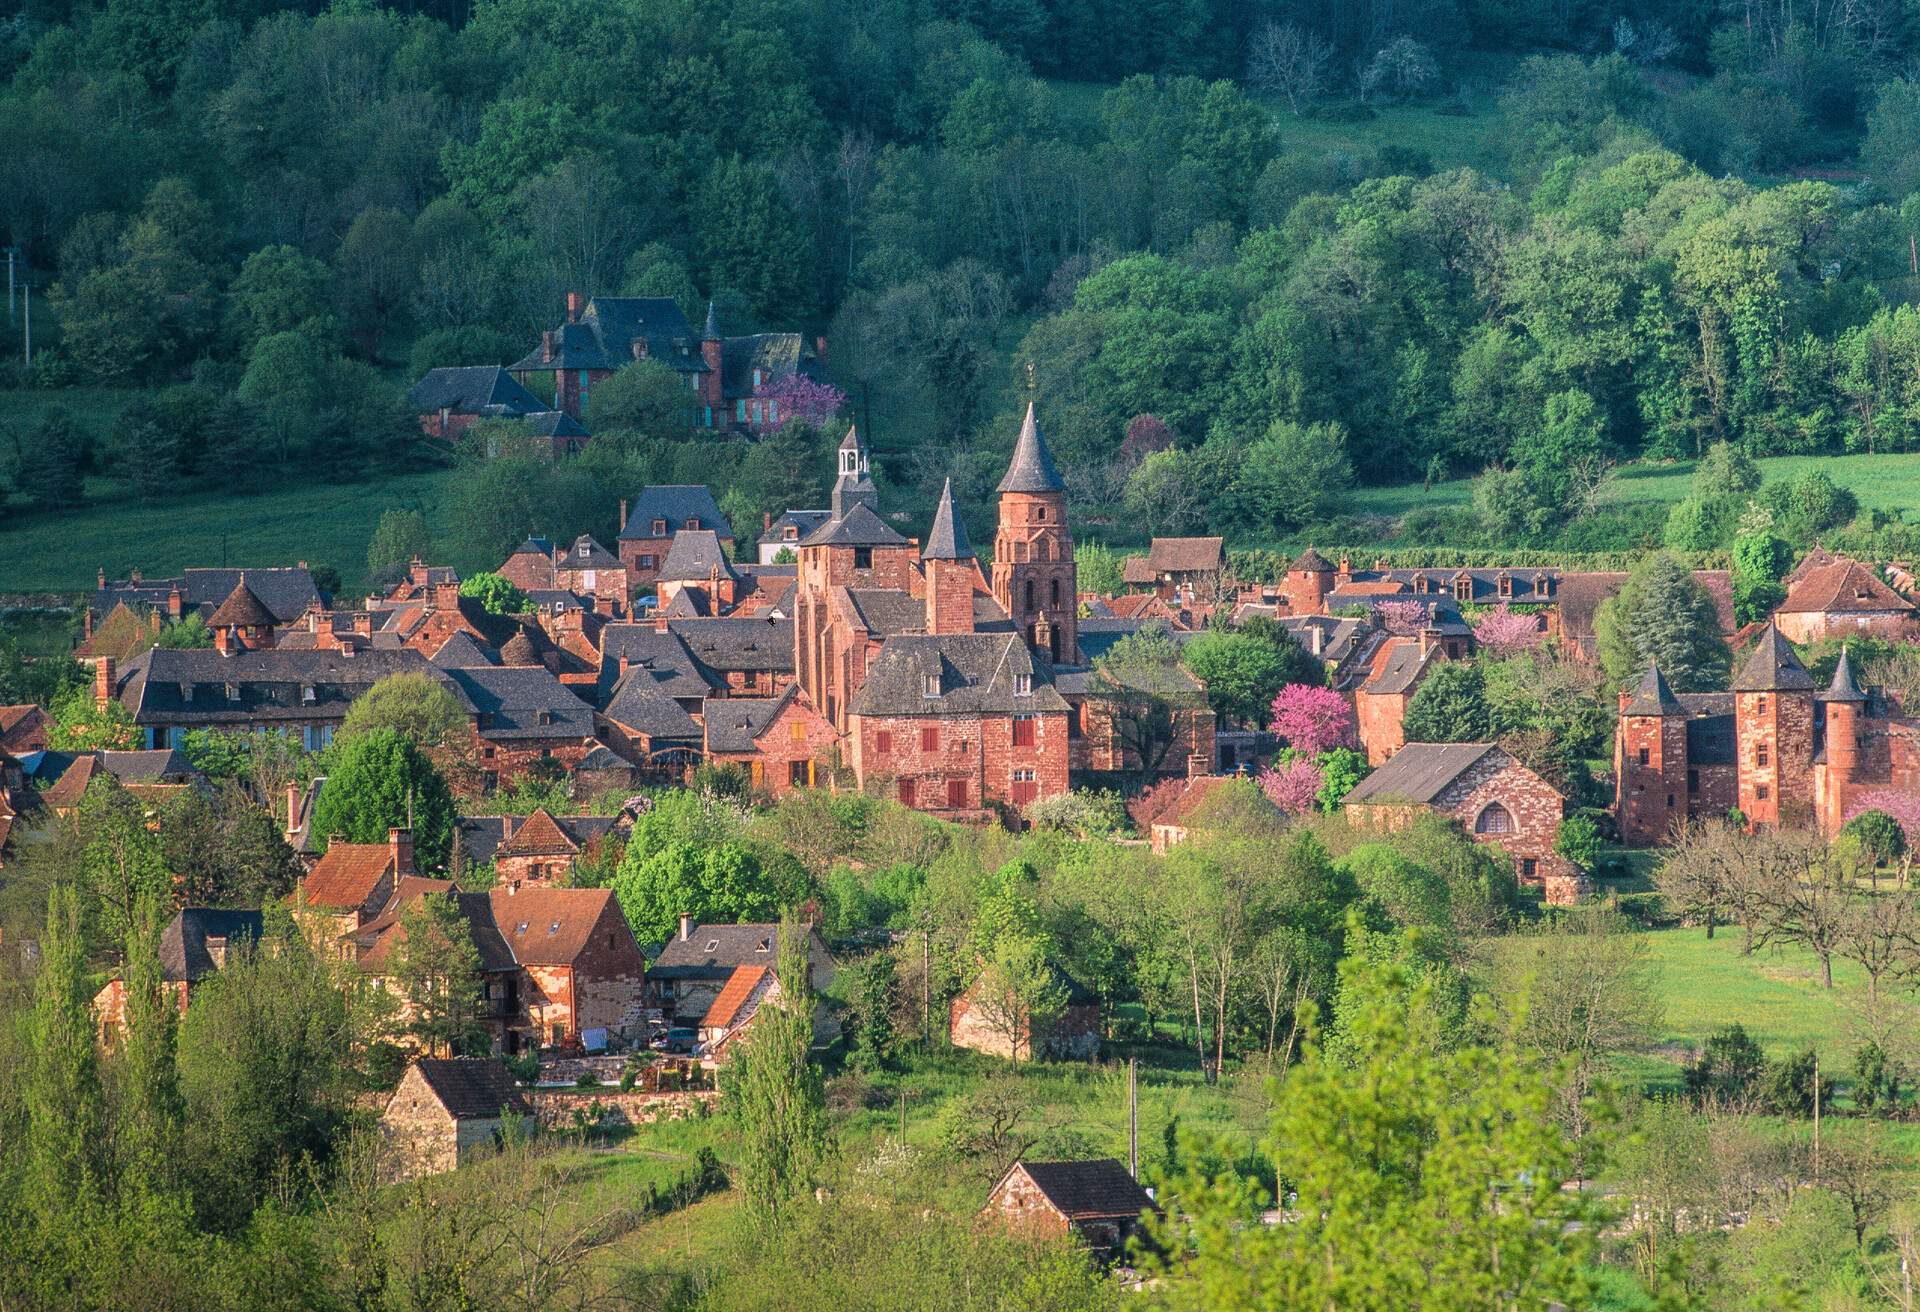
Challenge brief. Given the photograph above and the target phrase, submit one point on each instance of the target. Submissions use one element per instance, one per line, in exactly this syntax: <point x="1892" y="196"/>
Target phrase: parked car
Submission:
<point x="677" y="1041"/>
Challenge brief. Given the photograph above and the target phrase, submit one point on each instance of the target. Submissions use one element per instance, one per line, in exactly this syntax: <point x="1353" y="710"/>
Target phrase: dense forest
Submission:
<point x="1694" y="224"/>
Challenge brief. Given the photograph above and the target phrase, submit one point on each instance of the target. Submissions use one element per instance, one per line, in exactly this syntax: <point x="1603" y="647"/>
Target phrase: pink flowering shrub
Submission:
<point x="1903" y="807"/>
<point x="1313" y="718"/>
<point x="1294" y="785"/>
<point x="1403" y="617"/>
<point x="798" y="397"/>
<point x="1504" y="633"/>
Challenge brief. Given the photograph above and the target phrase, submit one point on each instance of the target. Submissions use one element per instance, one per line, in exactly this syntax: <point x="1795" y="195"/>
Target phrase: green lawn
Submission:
<point x="326" y="524"/>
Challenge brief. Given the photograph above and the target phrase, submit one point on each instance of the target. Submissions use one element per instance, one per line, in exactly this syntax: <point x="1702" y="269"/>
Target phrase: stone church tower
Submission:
<point x="1034" y="578"/>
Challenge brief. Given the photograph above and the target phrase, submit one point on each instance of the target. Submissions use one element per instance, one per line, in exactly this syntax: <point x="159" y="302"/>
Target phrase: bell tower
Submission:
<point x="1034" y="578"/>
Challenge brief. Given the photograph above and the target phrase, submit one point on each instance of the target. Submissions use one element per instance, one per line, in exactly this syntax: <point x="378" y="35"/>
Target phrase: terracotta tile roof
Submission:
<point x="379" y="937"/>
<point x="242" y="609"/>
<point x="68" y="789"/>
<point x="1186" y="555"/>
<point x="1135" y="569"/>
<point x="539" y="835"/>
<point x="1132" y="606"/>
<point x="23" y="728"/>
<point x="345" y="877"/>
<point x="548" y="926"/>
<point x="733" y="997"/>
<point x="1838" y="588"/>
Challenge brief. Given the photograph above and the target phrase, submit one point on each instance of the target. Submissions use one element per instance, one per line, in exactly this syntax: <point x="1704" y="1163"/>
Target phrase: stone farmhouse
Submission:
<point x="446" y="1111"/>
<point x="1096" y="1201"/>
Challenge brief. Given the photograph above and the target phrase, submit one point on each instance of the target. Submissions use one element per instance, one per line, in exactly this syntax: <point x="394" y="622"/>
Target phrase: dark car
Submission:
<point x="677" y="1040"/>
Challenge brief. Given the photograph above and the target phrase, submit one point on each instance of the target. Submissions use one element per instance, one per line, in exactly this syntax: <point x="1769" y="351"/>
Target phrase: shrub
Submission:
<point x="1788" y="1086"/>
<point x="1876" y="1078"/>
<point x="1728" y="1069"/>
<point x="1879" y="835"/>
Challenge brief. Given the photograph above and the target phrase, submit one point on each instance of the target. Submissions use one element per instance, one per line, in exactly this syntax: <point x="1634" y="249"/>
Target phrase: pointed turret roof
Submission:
<point x="948" y="540"/>
<point x="1844" y="688"/>
<point x="1773" y="667"/>
<point x="851" y="442"/>
<point x="854" y="487"/>
<point x="1310" y="562"/>
<point x="242" y="609"/>
<point x="1032" y="468"/>
<point x="1653" y="696"/>
<point x="712" y="334"/>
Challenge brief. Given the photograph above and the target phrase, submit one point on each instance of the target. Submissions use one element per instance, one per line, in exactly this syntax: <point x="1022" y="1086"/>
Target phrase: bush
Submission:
<point x="525" y="1067"/>
<point x="1728" y="1069"/>
<point x="1879" y="835"/>
<point x="1876" y="1078"/>
<point x="1788" y="1086"/>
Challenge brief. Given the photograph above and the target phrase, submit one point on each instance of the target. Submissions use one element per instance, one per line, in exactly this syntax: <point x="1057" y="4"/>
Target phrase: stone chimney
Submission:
<point x="103" y="576"/>
<point x="820" y="349"/>
<point x="686" y="926"/>
<point x="223" y="640"/>
<point x="1198" y="766"/>
<point x="766" y="521"/>
<point x="176" y="604"/>
<point x="363" y="624"/>
<point x="623" y="515"/>
<point x="400" y="843"/>
<point x="576" y="302"/>
<point x="293" y="805"/>
<point x="546" y="346"/>
<point x="1316" y="639"/>
<point x="1429" y="639"/>
<point x="102" y="681"/>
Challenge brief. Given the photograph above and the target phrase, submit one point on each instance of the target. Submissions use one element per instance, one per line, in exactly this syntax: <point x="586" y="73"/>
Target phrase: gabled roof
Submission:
<point x="738" y="643"/>
<point x="659" y="659"/>
<point x="677" y="504"/>
<point x="803" y="522"/>
<point x="472" y="390"/>
<point x="1099" y="1189"/>
<point x="1419" y="772"/>
<point x="462" y="650"/>
<point x="948" y="538"/>
<point x="641" y="705"/>
<point x="713" y="951"/>
<point x="473" y="1088"/>
<point x="523" y="701"/>
<point x="587" y="553"/>
<point x="184" y="954"/>
<point x="1653" y="696"/>
<point x="1135" y="570"/>
<point x="270" y="684"/>
<point x="695" y="557"/>
<point x="550" y="926"/>
<point x="970" y="673"/>
<point x="346" y="876"/>
<point x="554" y="423"/>
<point x="1838" y="588"/>
<point x="1773" y="666"/>
<point x="1032" y="468"/>
<point x="242" y="609"/>
<point x="288" y="593"/>
<point x="540" y="835"/>
<point x="1190" y="555"/>
<point x="859" y="527"/>
<point x="1404" y="665"/>
<point x="734" y="995"/>
<point x="603" y="337"/>
<point x="733" y="723"/>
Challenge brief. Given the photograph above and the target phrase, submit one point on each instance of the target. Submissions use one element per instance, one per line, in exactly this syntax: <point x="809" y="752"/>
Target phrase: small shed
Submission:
<point x="447" y="1108"/>
<point x="1096" y="1201"/>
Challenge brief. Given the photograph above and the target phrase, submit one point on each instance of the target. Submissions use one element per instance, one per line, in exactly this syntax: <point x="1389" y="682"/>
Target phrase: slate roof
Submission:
<point x="803" y="522"/>
<point x="587" y="553"/>
<point x="271" y="683"/>
<point x="1099" y="1189"/>
<point x="661" y="659"/>
<point x="1841" y="587"/>
<point x="642" y="705"/>
<point x="604" y="336"/>
<point x="775" y="355"/>
<point x="1710" y="728"/>
<point x="676" y="503"/>
<point x="472" y="390"/>
<point x="1419" y="772"/>
<point x="1187" y="555"/>
<point x="1402" y="669"/>
<point x="554" y="423"/>
<point x="1529" y="584"/>
<point x="750" y="643"/>
<point x="1773" y="666"/>
<point x="183" y="943"/>
<point x="473" y="1088"/>
<point x="462" y="651"/>
<point x="1338" y="634"/>
<point x="694" y="557"/>
<point x="713" y="951"/>
<point x="1310" y="562"/>
<point x="732" y="723"/>
<point x="975" y="673"/>
<point x="687" y="604"/>
<point x="523" y="702"/>
<point x="242" y="609"/>
<point x="287" y="593"/>
<point x="1844" y="688"/>
<point x="947" y="540"/>
<point x="859" y="527"/>
<point x="1653" y="696"/>
<point x="1032" y="468"/>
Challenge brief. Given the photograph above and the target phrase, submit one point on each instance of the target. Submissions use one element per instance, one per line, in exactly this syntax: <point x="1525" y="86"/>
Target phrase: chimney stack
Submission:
<point x="686" y="926"/>
<point x="176" y="604"/>
<point x="546" y="346"/>
<point x="766" y="521"/>
<point x="400" y="843"/>
<point x="1316" y="639"/>
<point x="1429" y="639"/>
<point x="1198" y="765"/>
<point x="623" y="515"/>
<point x="575" y="303"/>
<point x="293" y="804"/>
<point x="102" y="681"/>
<point x="103" y="576"/>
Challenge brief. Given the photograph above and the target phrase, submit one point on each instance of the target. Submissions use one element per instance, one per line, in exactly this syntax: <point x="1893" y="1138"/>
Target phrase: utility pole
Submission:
<point x="1816" y="1118"/>
<point x="26" y="294"/>
<point x="1133" y="1117"/>
<point x="12" y="251"/>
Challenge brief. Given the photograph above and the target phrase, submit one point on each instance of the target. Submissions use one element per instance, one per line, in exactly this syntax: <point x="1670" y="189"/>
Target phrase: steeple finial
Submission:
<point x="948" y="538"/>
<point x="712" y="333"/>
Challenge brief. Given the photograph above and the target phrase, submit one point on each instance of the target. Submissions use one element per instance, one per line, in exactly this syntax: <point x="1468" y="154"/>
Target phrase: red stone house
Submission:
<point x="696" y="965"/>
<point x="1100" y="742"/>
<point x="1497" y="800"/>
<point x="659" y="514"/>
<point x="449" y="401"/>
<point x="1095" y="1201"/>
<point x="23" y="729"/>
<point x="348" y="888"/>
<point x="542" y="848"/>
<point x="1185" y="571"/>
<point x="523" y="717"/>
<point x="1380" y="703"/>
<point x="194" y="945"/>
<point x="1843" y="598"/>
<point x="784" y="743"/>
<point x="447" y="1111"/>
<point x="978" y="1023"/>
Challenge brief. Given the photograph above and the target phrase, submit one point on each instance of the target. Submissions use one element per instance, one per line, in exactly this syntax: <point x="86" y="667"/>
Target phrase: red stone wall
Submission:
<point x="1805" y="627"/>
<point x="1033" y="547"/>
<point x="1100" y="747"/>
<point x="1650" y="798"/>
<point x="771" y="765"/>
<point x="508" y="761"/>
<point x="977" y="750"/>
<point x="1379" y="716"/>
<point x="1019" y="1203"/>
<point x="526" y="570"/>
<point x="1776" y="727"/>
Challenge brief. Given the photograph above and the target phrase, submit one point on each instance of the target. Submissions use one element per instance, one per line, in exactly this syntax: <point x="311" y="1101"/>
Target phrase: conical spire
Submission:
<point x="1844" y="688"/>
<point x="242" y="609"/>
<point x="713" y="324"/>
<point x="948" y="540"/>
<point x="1032" y="468"/>
<point x="1773" y="667"/>
<point x="1653" y="696"/>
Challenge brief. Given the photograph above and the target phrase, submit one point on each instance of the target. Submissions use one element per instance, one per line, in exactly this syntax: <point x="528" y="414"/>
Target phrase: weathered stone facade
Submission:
<point x="1074" y="1036"/>
<point x="962" y="764"/>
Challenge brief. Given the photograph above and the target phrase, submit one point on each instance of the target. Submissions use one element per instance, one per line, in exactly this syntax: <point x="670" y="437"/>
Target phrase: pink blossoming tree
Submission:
<point x="798" y="397"/>
<point x="1312" y="718"/>
<point x="1293" y="786"/>
<point x="1504" y="633"/>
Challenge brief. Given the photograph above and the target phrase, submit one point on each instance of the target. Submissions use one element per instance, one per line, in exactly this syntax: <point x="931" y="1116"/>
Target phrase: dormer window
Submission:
<point x="307" y="694"/>
<point x="790" y="533"/>
<point x="554" y="928"/>
<point x="1023" y="685"/>
<point x="1421" y="583"/>
<point x="693" y="523"/>
<point x="659" y="528"/>
<point x="1506" y="585"/>
<point x="583" y="550"/>
<point x="765" y="945"/>
<point x="930" y="686"/>
<point x="1463" y="588"/>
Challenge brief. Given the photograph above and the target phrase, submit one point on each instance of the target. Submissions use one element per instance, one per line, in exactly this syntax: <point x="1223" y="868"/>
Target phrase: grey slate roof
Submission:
<point x="1844" y="688"/>
<point x="183" y="943"/>
<point x="1653" y="696"/>
<point x="288" y="593"/>
<point x="734" y="722"/>
<point x="678" y="504"/>
<point x="1710" y="728"/>
<point x="640" y="705"/>
<point x="1310" y="562"/>
<point x="1419" y="772"/>
<point x="1773" y="666"/>
<point x="523" y="701"/>
<point x="473" y="1088"/>
<point x="748" y="643"/>
<point x="1099" y="1189"/>
<point x="1032" y="468"/>
<point x="687" y="604"/>
<point x="713" y="951"/>
<point x="975" y="673"/>
<point x="473" y="390"/>
<point x="948" y="538"/>
<point x="587" y="553"/>
<point x="859" y="527"/>
<point x="1403" y="668"/>
<point x="803" y="522"/>
<point x="694" y="557"/>
<point x="775" y="355"/>
<point x="270" y="684"/>
<point x="554" y="423"/>
<point x="153" y="766"/>
<point x="461" y="652"/>
<point x="661" y="657"/>
<point x="607" y="330"/>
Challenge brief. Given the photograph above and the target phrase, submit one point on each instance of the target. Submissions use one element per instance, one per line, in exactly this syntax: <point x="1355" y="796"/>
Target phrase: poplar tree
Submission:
<point x="775" y="1092"/>
<point x="64" y="1117"/>
<point x="147" y="1108"/>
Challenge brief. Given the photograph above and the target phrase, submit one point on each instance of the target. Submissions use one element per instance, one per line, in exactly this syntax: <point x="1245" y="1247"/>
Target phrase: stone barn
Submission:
<point x="1095" y="1201"/>
<point x="447" y="1109"/>
<point x="977" y="1022"/>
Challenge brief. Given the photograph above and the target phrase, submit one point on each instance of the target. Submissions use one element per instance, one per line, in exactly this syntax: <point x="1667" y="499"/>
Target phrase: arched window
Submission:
<point x="1495" y="819"/>
<point x="1028" y="590"/>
